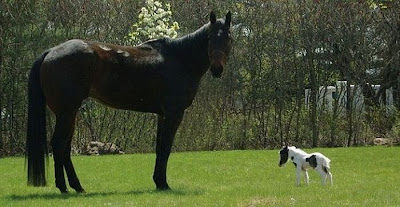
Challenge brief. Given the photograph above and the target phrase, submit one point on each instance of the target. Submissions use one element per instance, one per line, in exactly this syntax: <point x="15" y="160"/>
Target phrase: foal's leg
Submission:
<point x="323" y="175"/>
<point x="306" y="177"/>
<point x="330" y="178"/>
<point x="166" y="129"/>
<point x="298" y="175"/>
<point x="63" y="127"/>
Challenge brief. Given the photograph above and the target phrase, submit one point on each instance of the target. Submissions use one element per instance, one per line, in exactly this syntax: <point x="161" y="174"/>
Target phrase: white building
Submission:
<point x="328" y="94"/>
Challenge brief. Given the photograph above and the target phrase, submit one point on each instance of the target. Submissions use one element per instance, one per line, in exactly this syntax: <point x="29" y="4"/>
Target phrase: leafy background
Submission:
<point x="259" y="102"/>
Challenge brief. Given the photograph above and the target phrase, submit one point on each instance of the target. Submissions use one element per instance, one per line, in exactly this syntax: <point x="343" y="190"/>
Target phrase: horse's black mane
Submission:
<point x="191" y="49"/>
<point x="192" y="41"/>
<point x="197" y="37"/>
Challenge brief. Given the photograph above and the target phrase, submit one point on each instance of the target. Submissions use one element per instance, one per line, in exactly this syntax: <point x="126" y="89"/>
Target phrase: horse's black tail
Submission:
<point x="36" y="142"/>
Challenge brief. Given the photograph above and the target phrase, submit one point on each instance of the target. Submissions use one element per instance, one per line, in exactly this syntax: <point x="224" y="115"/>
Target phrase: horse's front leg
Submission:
<point x="166" y="128"/>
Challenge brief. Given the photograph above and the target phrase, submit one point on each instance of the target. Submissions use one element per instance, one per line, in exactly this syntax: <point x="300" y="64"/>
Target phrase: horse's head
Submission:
<point x="219" y="44"/>
<point x="284" y="155"/>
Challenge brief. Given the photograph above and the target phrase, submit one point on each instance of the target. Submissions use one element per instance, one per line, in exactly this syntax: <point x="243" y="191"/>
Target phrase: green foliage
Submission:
<point x="154" y="21"/>
<point x="229" y="178"/>
<point x="381" y="121"/>
<point x="382" y="4"/>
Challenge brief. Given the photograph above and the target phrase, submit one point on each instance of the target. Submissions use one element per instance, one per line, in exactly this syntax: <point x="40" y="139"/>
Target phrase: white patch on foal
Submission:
<point x="303" y="161"/>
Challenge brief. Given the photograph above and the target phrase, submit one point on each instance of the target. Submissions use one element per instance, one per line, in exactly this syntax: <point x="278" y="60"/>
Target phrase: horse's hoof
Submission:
<point x="81" y="191"/>
<point x="64" y="191"/>
<point x="163" y="187"/>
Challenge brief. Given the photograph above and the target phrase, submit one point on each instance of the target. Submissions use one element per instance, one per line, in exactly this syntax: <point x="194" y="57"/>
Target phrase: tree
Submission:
<point x="154" y="21"/>
<point x="258" y="103"/>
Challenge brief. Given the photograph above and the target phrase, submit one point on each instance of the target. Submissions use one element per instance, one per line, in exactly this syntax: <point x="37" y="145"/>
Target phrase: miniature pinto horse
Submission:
<point x="302" y="161"/>
<point x="160" y="76"/>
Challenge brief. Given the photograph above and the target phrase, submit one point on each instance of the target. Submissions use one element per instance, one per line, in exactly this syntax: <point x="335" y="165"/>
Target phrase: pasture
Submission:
<point x="364" y="176"/>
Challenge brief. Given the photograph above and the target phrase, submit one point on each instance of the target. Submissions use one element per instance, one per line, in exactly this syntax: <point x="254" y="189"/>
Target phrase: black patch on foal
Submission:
<point x="312" y="160"/>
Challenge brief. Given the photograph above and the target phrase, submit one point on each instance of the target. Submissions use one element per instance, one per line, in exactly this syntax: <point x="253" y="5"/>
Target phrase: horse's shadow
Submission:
<point x="56" y="196"/>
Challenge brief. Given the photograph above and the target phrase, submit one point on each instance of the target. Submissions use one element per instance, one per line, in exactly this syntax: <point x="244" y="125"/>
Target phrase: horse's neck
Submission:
<point x="193" y="50"/>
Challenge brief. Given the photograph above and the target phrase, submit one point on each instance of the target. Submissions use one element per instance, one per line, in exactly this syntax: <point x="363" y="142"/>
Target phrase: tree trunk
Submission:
<point x="314" y="104"/>
<point x="349" y="111"/>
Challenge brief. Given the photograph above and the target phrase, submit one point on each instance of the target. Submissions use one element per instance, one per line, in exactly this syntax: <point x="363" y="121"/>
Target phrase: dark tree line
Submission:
<point x="280" y="49"/>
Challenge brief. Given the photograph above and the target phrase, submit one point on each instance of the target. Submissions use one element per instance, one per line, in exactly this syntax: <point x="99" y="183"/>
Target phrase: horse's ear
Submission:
<point x="213" y="18"/>
<point x="228" y="18"/>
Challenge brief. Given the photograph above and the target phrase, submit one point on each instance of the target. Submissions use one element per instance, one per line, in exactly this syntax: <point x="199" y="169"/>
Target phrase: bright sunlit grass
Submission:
<point x="365" y="176"/>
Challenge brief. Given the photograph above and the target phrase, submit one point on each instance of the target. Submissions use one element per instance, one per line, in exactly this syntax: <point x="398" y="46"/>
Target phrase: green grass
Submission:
<point x="365" y="176"/>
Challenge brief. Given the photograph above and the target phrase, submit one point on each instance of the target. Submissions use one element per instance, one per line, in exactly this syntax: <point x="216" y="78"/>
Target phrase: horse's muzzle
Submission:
<point x="218" y="61"/>
<point x="216" y="71"/>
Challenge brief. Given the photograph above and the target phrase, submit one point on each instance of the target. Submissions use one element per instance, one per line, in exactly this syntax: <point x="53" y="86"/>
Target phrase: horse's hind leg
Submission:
<point x="69" y="167"/>
<point x="61" y="138"/>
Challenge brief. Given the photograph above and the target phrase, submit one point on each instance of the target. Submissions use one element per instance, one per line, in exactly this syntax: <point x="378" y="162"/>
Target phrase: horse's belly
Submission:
<point x="135" y="105"/>
<point x="143" y="99"/>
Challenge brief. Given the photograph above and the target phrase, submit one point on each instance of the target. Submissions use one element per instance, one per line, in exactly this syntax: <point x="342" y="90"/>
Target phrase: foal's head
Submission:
<point x="284" y="154"/>
<point x="219" y="44"/>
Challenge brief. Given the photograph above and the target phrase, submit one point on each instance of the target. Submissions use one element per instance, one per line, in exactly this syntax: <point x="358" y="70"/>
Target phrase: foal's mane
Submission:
<point x="297" y="150"/>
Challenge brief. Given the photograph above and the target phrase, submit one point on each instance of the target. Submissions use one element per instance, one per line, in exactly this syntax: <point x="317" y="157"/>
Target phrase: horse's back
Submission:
<point x="119" y="76"/>
<point x="68" y="49"/>
<point x="130" y="78"/>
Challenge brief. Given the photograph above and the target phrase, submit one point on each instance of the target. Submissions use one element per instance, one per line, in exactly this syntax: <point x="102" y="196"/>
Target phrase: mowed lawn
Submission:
<point x="364" y="176"/>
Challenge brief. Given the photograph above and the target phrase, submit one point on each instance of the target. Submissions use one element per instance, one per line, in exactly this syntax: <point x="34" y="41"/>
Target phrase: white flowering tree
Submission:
<point x="154" y="21"/>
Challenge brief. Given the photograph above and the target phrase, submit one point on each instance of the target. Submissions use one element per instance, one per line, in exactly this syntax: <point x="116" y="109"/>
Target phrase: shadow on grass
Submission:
<point x="54" y="196"/>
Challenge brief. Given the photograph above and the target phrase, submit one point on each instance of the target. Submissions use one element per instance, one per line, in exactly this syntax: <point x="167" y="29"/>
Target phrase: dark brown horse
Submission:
<point x="160" y="76"/>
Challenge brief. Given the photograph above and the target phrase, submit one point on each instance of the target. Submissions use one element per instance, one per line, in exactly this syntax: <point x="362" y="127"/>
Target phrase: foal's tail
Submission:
<point x="36" y="145"/>
<point x="326" y="166"/>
